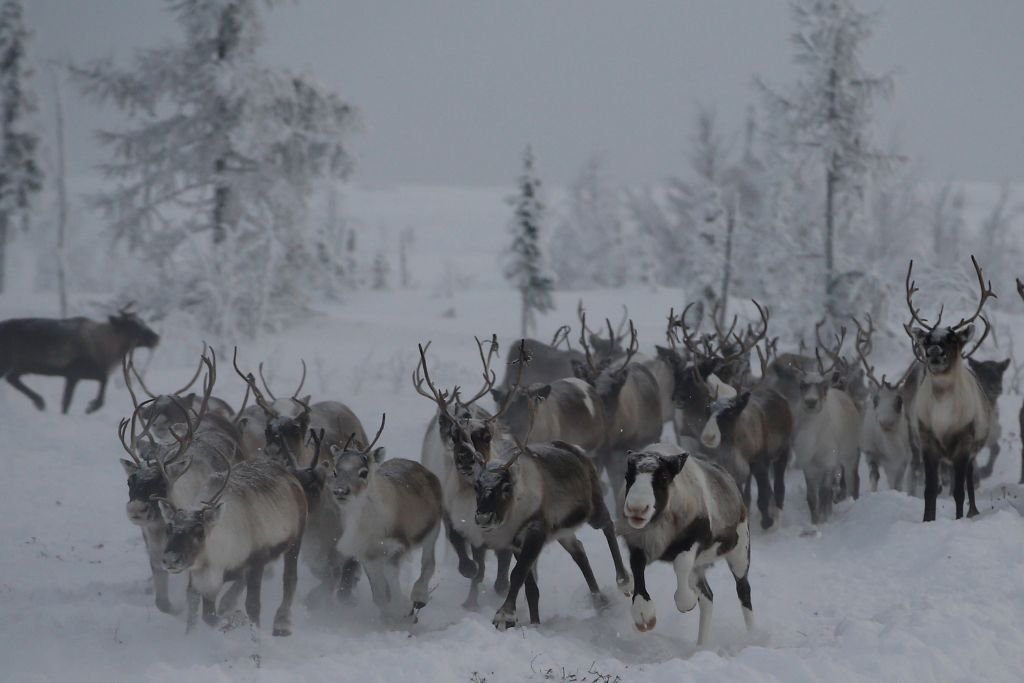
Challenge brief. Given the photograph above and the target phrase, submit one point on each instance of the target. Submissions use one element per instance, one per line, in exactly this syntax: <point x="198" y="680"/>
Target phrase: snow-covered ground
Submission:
<point x="876" y="595"/>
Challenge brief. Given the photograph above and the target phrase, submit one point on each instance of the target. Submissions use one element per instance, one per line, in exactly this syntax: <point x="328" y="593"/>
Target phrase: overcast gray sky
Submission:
<point x="451" y="90"/>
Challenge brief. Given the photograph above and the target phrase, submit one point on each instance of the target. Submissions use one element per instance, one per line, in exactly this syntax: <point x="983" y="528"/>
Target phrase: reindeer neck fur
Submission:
<point x="946" y="404"/>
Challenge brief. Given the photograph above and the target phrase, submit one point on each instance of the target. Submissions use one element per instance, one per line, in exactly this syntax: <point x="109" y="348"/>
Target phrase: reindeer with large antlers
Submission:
<point x="177" y="467"/>
<point x="951" y="414"/>
<point x="257" y="514"/>
<point x="632" y="406"/>
<point x="459" y="430"/>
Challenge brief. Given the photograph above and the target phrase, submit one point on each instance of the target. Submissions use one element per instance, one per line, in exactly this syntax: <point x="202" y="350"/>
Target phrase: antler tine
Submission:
<point x="251" y="383"/>
<point x="613" y="340"/>
<point x="376" y="438"/>
<point x="184" y="441"/>
<point x="915" y="313"/>
<point x="561" y="334"/>
<point x="245" y="402"/>
<point x="1020" y="288"/>
<point x="121" y="431"/>
<point x="762" y="359"/>
<point x="869" y="370"/>
<point x="988" y="328"/>
<point x="266" y="387"/>
<point x="135" y="373"/>
<point x="986" y="294"/>
<point x="583" y="338"/>
<point x="489" y="376"/>
<point x="744" y="347"/>
<point x="318" y="441"/>
<point x="302" y="382"/>
<point x="227" y="476"/>
<point x="521" y="361"/>
<point x="620" y="330"/>
<point x="633" y="347"/>
<point x="199" y="369"/>
<point x="581" y="314"/>
<point x="688" y="340"/>
<point x="441" y="398"/>
<point x="126" y="366"/>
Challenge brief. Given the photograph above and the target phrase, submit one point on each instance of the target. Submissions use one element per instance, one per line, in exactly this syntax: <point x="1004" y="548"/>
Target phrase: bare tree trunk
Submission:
<point x="730" y="226"/>
<point x="830" y="232"/>
<point x="524" y="322"/>
<point x="62" y="201"/>
<point x="4" y="222"/>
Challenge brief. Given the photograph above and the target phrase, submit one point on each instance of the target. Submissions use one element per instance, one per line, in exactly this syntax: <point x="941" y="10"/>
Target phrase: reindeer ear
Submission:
<point x="322" y="469"/>
<point x="920" y="335"/>
<point x="1002" y="365"/>
<point x="541" y="393"/>
<point x="307" y="398"/>
<point x="666" y="355"/>
<point x="963" y="336"/>
<point x="336" y="450"/>
<point x="212" y="513"/>
<point x="378" y="454"/>
<point x="130" y="468"/>
<point x="166" y="510"/>
<point x="742" y="400"/>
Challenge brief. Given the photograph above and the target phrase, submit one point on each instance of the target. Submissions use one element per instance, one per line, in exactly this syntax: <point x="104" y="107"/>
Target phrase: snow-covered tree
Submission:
<point x="20" y="174"/>
<point x="588" y="246"/>
<point x="826" y="116"/>
<point x="526" y="265"/>
<point x="381" y="276"/>
<point x="214" y="172"/>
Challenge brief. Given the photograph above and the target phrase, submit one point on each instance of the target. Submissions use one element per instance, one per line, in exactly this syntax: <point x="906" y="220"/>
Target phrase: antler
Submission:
<point x="1020" y="287"/>
<point x="633" y="347"/>
<point x="754" y="337"/>
<point x="864" y="336"/>
<point x="250" y="380"/>
<point x="583" y="338"/>
<point x="318" y="440"/>
<point x="862" y="347"/>
<point x="561" y="334"/>
<point x="376" y="438"/>
<point x="489" y="376"/>
<point x="227" y="476"/>
<point x="302" y="382"/>
<point x="986" y="294"/>
<point x="521" y="361"/>
<point x="441" y="398"/>
<point x="915" y="313"/>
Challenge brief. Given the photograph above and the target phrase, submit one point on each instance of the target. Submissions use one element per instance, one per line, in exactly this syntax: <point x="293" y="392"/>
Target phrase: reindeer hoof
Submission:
<point x="282" y="631"/>
<point x="40" y="404"/>
<point x="467" y="568"/>
<point x="166" y="607"/>
<point x="686" y="600"/>
<point x="599" y="601"/>
<point x="972" y="513"/>
<point x="644" y="617"/>
<point x="89" y="409"/>
<point x="505" y="619"/>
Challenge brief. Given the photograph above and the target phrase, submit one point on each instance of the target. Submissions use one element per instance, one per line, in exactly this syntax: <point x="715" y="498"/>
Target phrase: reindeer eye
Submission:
<point x="364" y="473"/>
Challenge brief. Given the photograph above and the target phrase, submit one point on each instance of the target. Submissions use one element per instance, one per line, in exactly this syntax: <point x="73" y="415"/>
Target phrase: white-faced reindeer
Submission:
<point x="458" y="431"/>
<point x="257" y="514"/>
<point x="388" y="508"/>
<point x="885" y="431"/>
<point x="952" y="416"/>
<point x="688" y="512"/>
<point x="632" y="406"/>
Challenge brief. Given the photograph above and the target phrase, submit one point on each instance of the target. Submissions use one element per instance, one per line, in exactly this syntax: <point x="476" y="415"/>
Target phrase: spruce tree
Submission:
<point x="20" y="175"/>
<point x="526" y="262"/>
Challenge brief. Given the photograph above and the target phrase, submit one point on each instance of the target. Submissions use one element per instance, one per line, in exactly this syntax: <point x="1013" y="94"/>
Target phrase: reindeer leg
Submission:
<point x="533" y="597"/>
<point x="192" y="614"/>
<point x="972" y="509"/>
<point x="421" y="589"/>
<point x="163" y="602"/>
<point x="349" y="578"/>
<point x="578" y="554"/>
<point x="14" y="379"/>
<point x="504" y="564"/>
<point x="959" y="475"/>
<point x="69" y="391"/>
<point x="739" y="564"/>
<point x="479" y="557"/>
<point x="253" y="584"/>
<point x="644" y="616"/>
<point x="686" y="598"/>
<point x="931" y="485"/>
<point x="466" y="566"/>
<point x="97" y="402"/>
<point x="780" y="479"/>
<point x="705" y="601"/>
<point x="283" y="617"/>
<point x="812" y="497"/>
<point x="533" y="538"/>
<point x="764" y="493"/>
<point x="873" y="474"/>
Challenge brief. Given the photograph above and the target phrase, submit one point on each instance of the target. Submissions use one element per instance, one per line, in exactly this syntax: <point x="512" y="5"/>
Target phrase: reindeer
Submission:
<point x="688" y="512"/>
<point x="72" y="348"/>
<point x="388" y="507"/>
<point x="445" y="454"/>
<point x="826" y="441"/>
<point x="632" y="407"/>
<point x="257" y="514"/>
<point x="990" y="377"/>
<point x="285" y="422"/>
<point x="951" y="416"/>
<point x="177" y="472"/>
<point x="885" y="431"/>
<point x="532" y="495"/>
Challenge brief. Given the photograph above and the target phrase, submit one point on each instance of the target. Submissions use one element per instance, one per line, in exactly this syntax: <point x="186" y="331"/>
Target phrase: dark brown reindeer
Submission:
<point x="951" y="414"/>
<point x="73" y="348"/>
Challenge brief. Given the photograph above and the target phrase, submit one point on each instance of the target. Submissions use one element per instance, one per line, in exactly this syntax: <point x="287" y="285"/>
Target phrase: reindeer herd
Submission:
<point x="220" y="493"/>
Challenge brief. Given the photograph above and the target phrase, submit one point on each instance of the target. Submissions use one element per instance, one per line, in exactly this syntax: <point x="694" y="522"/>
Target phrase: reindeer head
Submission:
<point x="187" y="529"/>
<point x="132" y="329"/>
<point x="495" y="489"/>
<point x="354" y="467"/>
<point x="990" y="375"/>
<point x="649" y="476"/>
<point x="722" y="421"/>
<point x="814" y="388"/>
<point x="314" y="478"/>
<point x="940" y="348"/>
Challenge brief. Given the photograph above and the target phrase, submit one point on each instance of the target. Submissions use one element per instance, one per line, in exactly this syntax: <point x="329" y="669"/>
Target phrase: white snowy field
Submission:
<point x="875" y="595"/>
